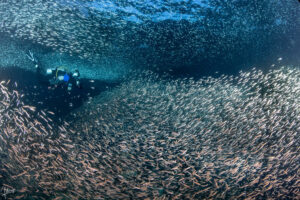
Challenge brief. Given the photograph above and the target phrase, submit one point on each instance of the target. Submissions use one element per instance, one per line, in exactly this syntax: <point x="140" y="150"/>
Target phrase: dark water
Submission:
<point x="37" y="91"/>
<point x="164" y="111"/>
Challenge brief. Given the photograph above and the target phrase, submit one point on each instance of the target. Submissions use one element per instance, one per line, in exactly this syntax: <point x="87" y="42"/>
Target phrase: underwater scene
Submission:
<point x="149" y="99"/>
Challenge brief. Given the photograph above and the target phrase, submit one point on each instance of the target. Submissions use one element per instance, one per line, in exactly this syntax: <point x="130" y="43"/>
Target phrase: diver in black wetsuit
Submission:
<point x="58" y="76"/>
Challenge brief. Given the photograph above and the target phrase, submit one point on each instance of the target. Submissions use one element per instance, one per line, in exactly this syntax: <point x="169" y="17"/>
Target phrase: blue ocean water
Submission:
<point x="178" y="99"/>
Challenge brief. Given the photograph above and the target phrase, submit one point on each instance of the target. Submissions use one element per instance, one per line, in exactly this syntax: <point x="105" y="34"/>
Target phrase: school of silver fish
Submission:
<point x="101" y="30"/>
<point x="232" y="137"/>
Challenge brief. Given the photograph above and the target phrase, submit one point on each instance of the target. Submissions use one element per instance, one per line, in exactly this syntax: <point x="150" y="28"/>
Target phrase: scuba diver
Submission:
<point x="56" y="77"/>
<point x="60" y="76"/>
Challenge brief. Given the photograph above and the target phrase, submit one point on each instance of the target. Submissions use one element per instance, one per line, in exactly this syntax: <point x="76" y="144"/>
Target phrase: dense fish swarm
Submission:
<point x="60" y="27"/>
<point x="155" y="138"/>
<point x="166" y="33"/>
<point x="216" y="138"/>
<point x="28" y="148"/>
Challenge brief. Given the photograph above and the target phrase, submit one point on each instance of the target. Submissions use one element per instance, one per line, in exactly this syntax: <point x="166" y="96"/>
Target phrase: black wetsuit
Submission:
<point x="52" y="79"/>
